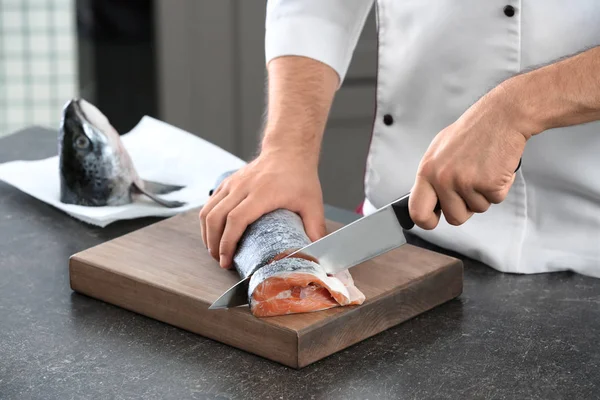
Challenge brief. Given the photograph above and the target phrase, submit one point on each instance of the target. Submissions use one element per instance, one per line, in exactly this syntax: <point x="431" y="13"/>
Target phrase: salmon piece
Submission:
<point x="278" y="285"/>
<point x="298" y="285"/>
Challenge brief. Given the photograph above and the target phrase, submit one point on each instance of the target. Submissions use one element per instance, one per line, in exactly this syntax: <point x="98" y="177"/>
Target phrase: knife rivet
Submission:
<point x="388" y="119"/>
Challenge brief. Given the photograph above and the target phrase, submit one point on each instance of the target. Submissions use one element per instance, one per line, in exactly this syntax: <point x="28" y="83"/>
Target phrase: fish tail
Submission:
<point x="162" y="202"/>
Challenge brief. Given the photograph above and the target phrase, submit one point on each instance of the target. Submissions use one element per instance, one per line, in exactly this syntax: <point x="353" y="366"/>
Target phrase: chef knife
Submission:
<point x="353" y="244"/>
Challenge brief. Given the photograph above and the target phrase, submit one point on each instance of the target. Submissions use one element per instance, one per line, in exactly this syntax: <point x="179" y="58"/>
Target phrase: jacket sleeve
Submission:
<point x="325" y="30"/>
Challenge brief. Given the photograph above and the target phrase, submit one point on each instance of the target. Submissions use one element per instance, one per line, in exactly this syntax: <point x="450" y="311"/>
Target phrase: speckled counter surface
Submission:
<point x="506" y="337"/>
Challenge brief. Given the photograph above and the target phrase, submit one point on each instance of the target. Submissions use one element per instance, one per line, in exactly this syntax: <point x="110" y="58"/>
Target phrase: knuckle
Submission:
<point x="444" y="176"/>
<point x="211" y="219"/>
<point x="419" y="217"/>
<point x="233" y="217"/>
<point x="496" y="197"/>
<point x="426" y="168"/>
<point x="428" y="224"/>
<point x="431" y="225"/>
<point x="452" y="220"/>
<point x="424" y="220"/>
<point x="480" y="207"/>
<point x="456" y="220"/>
<point x="496" y="191"/>
<point x="226" y="183"/>
<point x="464" y="183"/>
<point x="202" y="214"/>
<point x="504" y="180"/>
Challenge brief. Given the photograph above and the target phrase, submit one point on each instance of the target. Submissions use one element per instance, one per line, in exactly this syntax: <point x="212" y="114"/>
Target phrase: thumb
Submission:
<point x="313" y="217"/>
<point x="421" y="204"/>
<point x="504" y="192"/>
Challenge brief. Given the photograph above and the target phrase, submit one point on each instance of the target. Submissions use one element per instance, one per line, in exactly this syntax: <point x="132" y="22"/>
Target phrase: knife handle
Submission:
<point x="400" y="208"/>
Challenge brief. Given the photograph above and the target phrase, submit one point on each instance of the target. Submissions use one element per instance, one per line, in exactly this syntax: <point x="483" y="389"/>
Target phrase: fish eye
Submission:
<point x="81" y="142"/>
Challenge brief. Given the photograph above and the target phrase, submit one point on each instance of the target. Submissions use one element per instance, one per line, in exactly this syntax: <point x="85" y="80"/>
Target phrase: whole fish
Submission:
<point x="279" y="285"/>
<point x="95" y="168"/>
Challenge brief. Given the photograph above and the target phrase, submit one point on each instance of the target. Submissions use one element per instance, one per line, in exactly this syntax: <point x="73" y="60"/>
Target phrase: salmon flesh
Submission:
<point x="297" y="284"/>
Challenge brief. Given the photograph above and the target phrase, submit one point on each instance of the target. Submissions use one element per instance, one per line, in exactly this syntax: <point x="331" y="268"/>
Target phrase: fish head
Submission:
<point x="77" y="136"/>
<point x="95" y="169"/>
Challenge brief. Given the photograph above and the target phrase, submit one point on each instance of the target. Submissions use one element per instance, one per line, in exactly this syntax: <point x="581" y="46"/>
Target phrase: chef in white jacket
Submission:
<point x="464" y="90"/>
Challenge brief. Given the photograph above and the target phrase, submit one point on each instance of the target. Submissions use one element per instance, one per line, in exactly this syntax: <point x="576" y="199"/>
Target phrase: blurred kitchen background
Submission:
<point x="196" y="64"/>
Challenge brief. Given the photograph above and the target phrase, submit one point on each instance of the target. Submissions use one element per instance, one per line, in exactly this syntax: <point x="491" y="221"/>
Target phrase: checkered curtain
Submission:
<point x="38" y="62"/>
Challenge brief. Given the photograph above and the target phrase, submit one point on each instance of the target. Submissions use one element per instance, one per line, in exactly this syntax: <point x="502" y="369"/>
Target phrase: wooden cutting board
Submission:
<point x="163" y="271"/>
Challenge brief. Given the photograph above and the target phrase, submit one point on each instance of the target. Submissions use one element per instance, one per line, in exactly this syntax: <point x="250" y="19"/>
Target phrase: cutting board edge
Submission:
<point x="453" y="270"/>
<point x="80" y="269"/>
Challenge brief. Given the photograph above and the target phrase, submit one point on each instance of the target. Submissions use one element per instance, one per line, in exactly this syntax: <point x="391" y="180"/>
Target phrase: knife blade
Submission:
<point x="353" y="244"/>
<point x="363" y="239"/>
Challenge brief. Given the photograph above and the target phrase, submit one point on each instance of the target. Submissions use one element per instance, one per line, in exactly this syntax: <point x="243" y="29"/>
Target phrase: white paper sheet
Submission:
<point x="160" y="152"/>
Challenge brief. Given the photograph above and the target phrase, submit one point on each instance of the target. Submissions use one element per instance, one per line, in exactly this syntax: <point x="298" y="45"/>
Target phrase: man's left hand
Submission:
<point x="470" y="164"/>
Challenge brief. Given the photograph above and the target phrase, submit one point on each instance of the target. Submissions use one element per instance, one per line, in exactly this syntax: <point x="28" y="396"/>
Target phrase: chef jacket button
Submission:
<point x="388" y="119"/>
<point x="509" y="11"/>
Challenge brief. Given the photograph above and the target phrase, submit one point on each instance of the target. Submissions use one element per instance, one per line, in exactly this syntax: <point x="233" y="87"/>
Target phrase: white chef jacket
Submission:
<point x="435" y="59"/>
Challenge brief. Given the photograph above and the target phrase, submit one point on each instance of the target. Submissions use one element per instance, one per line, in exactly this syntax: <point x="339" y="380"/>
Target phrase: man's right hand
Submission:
<point x="282" y="179"/>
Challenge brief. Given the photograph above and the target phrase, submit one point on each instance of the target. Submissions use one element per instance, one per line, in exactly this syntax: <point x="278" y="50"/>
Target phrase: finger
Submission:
<point x="421" y="204"/>
<point x="498" y="196"/>
<point x="454" y="207"/>
<point x="217" y="219"/>
<point x="313" y="218"/>
<point x="475" y="201"/>
<point x="246" y="212"/>
<point x="208" y="206"/>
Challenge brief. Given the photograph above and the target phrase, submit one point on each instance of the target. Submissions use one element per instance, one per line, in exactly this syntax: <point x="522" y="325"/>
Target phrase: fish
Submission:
<point x="95" y="168"/>
<point x="281" y="285"/>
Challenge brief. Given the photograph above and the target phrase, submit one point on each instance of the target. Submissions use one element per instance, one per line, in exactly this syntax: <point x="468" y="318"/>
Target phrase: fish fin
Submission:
<point x="163" y="202"/>
<point x="160" y="188"/>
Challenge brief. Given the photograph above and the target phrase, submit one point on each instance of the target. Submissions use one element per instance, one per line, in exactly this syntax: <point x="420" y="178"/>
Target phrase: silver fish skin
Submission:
<point x="95" y="168"/>
<point x="277" y="232"/>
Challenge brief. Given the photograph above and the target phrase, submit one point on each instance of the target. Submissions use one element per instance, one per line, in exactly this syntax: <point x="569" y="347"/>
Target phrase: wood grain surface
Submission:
<point x="164" y="271"/>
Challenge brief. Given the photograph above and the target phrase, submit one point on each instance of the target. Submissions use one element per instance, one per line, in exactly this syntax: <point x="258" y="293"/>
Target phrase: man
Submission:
<point x="464" y="90"/>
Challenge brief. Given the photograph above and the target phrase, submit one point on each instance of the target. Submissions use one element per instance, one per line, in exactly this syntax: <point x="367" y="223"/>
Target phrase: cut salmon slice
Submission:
<point x="298" y="285"/>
